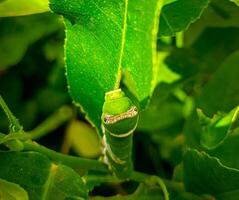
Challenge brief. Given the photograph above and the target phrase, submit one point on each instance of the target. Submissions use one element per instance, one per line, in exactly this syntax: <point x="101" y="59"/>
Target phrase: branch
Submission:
<point x="71" y="161"/>
<point x="14" y="123"/>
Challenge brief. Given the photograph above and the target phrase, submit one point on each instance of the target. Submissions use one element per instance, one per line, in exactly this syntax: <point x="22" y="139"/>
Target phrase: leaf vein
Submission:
<point x="117" y="83"/>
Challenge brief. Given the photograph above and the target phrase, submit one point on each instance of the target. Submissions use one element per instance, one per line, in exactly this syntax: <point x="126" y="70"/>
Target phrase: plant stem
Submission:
<point x="140" y="177"/>
<point x="175" y="186"/>
<point x="72" y="161"/>
<point x="51" y="123"/>
<point x="104" y="178"/>
<point x="90" y="164"/>
<point x="14" y="123"/>
<point x="179" y="39"/>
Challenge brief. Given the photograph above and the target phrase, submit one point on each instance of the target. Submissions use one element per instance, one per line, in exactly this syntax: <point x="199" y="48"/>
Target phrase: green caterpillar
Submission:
<point x="119" y="120"/>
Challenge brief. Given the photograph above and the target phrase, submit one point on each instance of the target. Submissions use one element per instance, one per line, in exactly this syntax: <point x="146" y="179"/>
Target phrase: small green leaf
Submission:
<point x="204" y="174"/>
<point x="41" y="178"/>
<point x="12" y="191"/>
<point x="177" y="16"/>
<point x="216" y="129"/>
<point x="105" y="40"/>
<point x="9" y="8"/>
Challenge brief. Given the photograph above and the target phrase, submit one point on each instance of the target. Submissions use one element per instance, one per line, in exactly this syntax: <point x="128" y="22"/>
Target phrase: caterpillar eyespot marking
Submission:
<point x="111" y="119"/>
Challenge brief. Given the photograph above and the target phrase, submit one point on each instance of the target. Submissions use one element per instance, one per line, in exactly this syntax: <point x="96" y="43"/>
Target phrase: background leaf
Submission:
<point x="83" y="139"/>
<point x="215" y="131"/>
<point x="204" y="174"/>
<point x="12" y="191"/>
<point x="41" y="178"/>
<point x="218" y="14"/>
<point x="177" y="16"/>
<point x="228" y="150"/>
<point x="22" y="7"/>
<point x="171" y="110"/>
<point x="224" y="99"/>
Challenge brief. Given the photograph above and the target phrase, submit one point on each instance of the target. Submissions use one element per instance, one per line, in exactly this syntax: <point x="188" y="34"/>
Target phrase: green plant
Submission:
<point x="166" y="71"/>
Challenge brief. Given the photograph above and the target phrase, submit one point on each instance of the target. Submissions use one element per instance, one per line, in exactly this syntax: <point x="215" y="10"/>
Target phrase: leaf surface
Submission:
<point x="9" y="8"/>
<point x="204" y="174"/>
<point x="41" y="178"/>
<point x="215" y="130"/>
<point x="12" y="191"/>
<point x="83" y="139"/>
<point x="177" y="16"/>
<point x="171" y="110"/>
<point x="106" y="40"/>
<point x="221" y="93"/>
<point x="228" y="151"/>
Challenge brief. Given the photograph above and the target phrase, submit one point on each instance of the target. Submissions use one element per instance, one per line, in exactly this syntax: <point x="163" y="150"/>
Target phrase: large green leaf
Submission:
<point x="177" y="16"/>
<point x="107" y="39"/>
<point x="204" y="174"/>
<point x="41" y="178"/>
<point x="12" y="191"/>
<point x="222" y="91"/>
<point x="22" y="7"/>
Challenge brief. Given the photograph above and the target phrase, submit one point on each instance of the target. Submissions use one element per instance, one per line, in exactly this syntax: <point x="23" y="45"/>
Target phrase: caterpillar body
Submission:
<point x="119" y="120"/>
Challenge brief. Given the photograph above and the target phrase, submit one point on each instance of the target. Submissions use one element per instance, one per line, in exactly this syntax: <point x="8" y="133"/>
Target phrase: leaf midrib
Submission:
<point x="48" y="183"/>
<point x="118" y="77"/>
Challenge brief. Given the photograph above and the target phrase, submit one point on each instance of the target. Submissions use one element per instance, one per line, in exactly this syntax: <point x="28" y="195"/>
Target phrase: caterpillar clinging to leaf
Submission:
<point x="119" y="120"/>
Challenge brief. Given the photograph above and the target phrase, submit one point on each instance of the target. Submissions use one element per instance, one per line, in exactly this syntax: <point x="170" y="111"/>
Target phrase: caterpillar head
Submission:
<point x="120" y="115"/>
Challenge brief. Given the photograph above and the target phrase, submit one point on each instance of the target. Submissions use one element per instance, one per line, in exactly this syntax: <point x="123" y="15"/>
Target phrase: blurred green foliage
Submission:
<point x="32" y="67"/>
